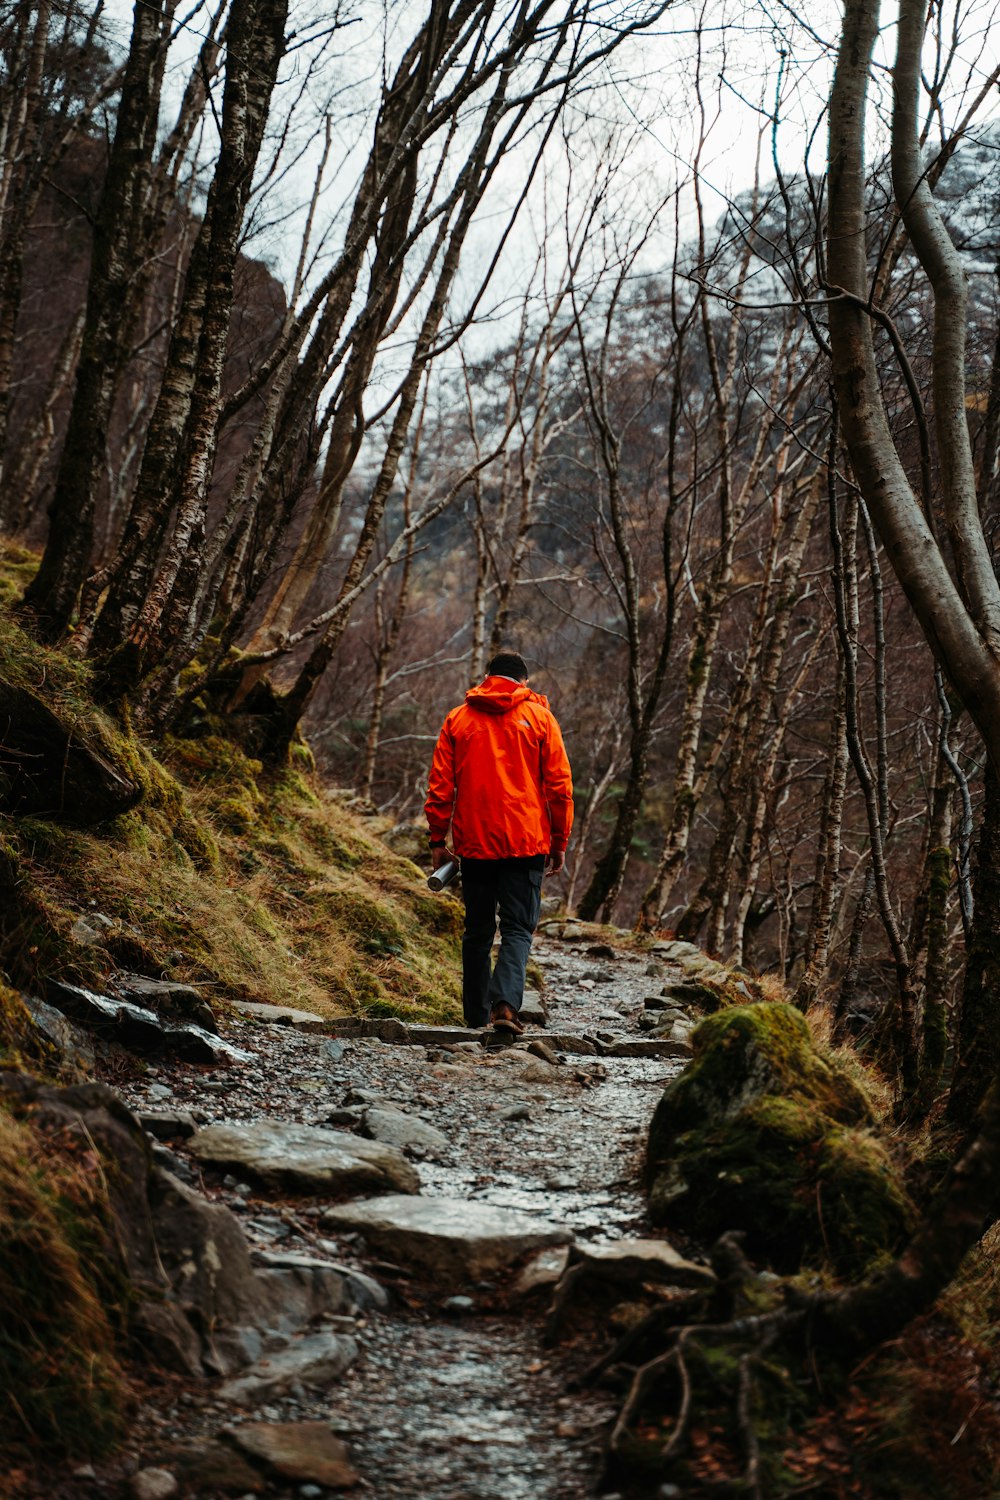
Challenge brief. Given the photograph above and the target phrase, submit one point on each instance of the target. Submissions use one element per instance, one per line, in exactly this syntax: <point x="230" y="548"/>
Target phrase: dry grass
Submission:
<point x="60" y="1383"/>
<point x="253" y="886"/>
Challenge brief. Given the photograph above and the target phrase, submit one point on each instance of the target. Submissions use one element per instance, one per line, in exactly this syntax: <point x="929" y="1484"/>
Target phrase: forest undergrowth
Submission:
<point x="268" y="886"/>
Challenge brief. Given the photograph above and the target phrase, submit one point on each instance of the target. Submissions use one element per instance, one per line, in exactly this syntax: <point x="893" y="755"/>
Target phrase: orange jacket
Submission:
<point x="500" y="776"/>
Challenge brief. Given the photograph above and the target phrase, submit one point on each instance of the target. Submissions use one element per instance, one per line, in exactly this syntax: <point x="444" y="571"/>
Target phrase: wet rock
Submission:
<point x="153" y="1484"/>
<point x="601" y="950"/>
<point x="515" y="1112"/>
<point x="577" y="1046"/>
<point x="686" y="994"/>
<point x="166" y="994"/>
<point x="405" y="1132"/>
<point x="169" y="1124"/>
<point x="307" y="1286"/>
<point x="304" y="1158"/>
<point x="71" y="1042"/>
<point x="650" y="1047"/>
<point x="195" y="1044"/>
<point x="675" y="1028"/>
<point x="348" y="1115"/>
<point x="545" y="1052"/>
<point x="678" y="951"/>
<point x="458" y="1307"/>
<point x="447" y="1237"/>
<point x="542" y="1271"/>
<point x="363" y="1291"/>
<point x="281" y="1015"/>
<point x="630" y="1261"/>
<point x="314" y="1361"/>
<point x="137" y="1028"/>
<point x="306" y="1451"/>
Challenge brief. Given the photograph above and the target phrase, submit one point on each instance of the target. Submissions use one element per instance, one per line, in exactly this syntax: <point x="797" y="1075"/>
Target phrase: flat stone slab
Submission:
<point x="306" y="1452"/>
<point x="382" y="1028"/>
<point x="406" y="1132"/>
<point x="640" y="1260"/>
<point x="564" y="1041"/>
<point x="280" y="1154"/>
<point x="281" y="1015"/>
<point x="315" y="1361"/>
<point x="439" y="1036"/>
<point x="447" y="1237"/>
<point x="647" y="1047"/>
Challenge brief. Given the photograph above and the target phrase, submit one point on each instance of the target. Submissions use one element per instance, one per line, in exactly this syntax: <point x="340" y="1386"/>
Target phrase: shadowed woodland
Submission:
<point x="338" y="349"/>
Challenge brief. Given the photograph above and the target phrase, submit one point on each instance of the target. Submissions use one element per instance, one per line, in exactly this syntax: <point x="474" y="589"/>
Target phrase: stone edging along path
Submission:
<point x="449" y="1189"/>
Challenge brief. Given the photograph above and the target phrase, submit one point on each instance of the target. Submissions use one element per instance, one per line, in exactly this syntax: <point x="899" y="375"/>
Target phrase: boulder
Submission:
<point x="195" y="1300"/>
<point x="449" y="1239"/>
<point x="283" y="1155"/>
<point x="764" y="1133"/>
<point x="48" y="770"/>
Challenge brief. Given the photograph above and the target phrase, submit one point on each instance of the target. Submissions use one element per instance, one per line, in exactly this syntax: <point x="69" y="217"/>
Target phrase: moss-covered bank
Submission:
<point x="765" y="1134"/>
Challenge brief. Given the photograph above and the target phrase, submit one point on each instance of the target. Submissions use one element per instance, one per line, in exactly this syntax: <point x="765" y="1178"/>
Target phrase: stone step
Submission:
<point x="447" y="1238"/>
<point x="647" y="1047"/>
<point x="281" y="1015"/>
<point x="284" y="1156"/>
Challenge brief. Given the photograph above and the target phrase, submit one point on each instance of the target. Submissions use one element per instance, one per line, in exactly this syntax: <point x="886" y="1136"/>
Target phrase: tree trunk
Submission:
<point x="116" y="255"/>
<point x="134" y="624"/>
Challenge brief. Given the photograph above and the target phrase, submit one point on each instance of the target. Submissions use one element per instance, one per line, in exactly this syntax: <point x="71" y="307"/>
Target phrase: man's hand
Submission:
<point x="555" y="862"/>
<point x="440" y="856"/>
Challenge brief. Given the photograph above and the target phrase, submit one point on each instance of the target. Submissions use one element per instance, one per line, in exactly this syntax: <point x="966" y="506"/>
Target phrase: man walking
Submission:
<point x="500" y="779"/>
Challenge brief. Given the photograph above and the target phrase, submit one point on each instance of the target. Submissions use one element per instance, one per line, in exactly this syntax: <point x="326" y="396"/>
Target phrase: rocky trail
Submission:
<point x="426" y="1193"/>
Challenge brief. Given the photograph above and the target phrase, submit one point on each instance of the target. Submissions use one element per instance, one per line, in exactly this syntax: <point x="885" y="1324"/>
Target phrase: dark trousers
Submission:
<point x="512" y="887"/>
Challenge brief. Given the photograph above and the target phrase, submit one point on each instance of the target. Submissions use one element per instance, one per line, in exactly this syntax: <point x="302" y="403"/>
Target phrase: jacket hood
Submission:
<point x="498" y="695"/>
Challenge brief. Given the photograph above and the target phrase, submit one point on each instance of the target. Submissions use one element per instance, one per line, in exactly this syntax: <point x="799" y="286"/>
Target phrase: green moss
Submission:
<point x="364" y="918"/>
<point x="763" y="1133"/>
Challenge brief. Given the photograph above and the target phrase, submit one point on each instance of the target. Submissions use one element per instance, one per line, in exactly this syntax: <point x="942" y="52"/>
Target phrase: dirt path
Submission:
<point x="449" y="1401"/>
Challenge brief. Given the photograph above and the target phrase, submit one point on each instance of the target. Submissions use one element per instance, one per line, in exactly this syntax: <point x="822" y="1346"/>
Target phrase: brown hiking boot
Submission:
<point x="505" y="1018"/>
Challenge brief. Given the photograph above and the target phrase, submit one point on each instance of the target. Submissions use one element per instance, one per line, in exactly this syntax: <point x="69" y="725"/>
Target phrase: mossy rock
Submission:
<point x="763" y="1133"/>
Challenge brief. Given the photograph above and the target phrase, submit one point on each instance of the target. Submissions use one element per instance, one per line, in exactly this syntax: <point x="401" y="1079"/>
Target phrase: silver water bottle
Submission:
<point x="443" y="875"/>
